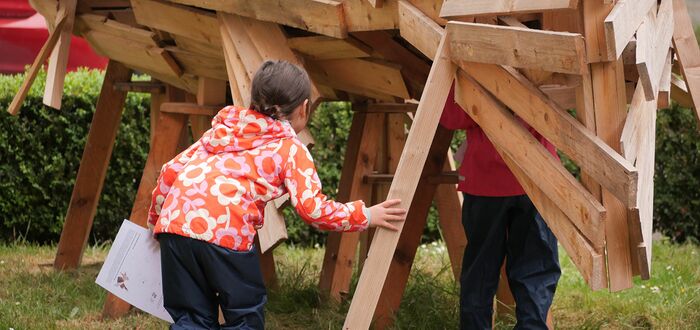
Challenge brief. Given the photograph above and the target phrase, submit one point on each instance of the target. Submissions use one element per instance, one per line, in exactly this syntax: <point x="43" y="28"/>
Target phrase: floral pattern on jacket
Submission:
<point x="216" y="190"/>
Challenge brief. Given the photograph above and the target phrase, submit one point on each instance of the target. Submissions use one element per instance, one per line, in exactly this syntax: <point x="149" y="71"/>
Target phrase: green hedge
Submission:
<point x="40" y="152"/>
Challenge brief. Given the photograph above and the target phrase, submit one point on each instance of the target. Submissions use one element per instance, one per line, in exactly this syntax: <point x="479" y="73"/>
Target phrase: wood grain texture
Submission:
<point x="688" y="53"/>
<point x="457" y="8"/>
<point x="58" y="61"/>
<point x="623" y="21"/>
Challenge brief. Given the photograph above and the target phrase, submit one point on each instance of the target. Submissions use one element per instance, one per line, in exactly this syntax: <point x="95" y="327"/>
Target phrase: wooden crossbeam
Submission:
<point x="458" y="8"/>
<point x="350" y="75"/>
<point x="58" y="61"/>
<point x="653" y="43"/>
<point x="517" y="47"/>
<point x="599" y="160"/>
<point x="622" y="23"/>
<point x="386" y="108"/>
<point x="190" y="22"/>
<point x="679" y="92"/>
<point x="190" y="108"/>
<point x="688" y="52"/>
<point x="103" y="24"/>
<point x="382" y="178"/>
<point x="325" y="48"/>
<point x="320" y="16"/>
<point x="410" y="166"/>
<point x="152" y="87"/>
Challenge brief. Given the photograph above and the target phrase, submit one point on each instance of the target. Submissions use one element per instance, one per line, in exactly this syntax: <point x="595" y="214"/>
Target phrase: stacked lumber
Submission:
<point x="588" y="75"/>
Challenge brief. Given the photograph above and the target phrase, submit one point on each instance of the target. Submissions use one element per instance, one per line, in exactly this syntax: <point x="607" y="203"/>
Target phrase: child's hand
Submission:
<point x="382" y="213"/>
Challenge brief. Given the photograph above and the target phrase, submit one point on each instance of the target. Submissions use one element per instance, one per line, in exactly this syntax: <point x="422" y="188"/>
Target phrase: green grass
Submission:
<point x="33" y="296"/>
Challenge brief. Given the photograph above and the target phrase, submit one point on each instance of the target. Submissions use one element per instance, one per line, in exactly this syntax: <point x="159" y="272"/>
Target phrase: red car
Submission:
<point x="23" y="32"/>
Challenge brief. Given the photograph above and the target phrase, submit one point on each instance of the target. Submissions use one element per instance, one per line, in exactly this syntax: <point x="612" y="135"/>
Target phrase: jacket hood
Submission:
<point x="236" y="129"/>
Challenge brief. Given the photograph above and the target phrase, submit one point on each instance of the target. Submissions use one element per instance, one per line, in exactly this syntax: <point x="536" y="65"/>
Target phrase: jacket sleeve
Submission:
<point x="302" y="182"/>
<point x="168" y="175"/>
<point x="453" y="116"/>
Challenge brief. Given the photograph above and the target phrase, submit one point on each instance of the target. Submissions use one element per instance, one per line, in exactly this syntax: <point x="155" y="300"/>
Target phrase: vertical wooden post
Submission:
<point x="400" y="268"/>
<point x="93" y="168"/>
<point x="449" y="206"/>
<point x="164" y="147"/>
<point x="56" y="72"/>
<point x="609" y="102"/>
<point x="359" y="161"/>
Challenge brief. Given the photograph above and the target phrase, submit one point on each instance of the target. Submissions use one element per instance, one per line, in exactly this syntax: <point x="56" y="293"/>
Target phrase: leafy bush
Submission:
<point x="40" y="152"/>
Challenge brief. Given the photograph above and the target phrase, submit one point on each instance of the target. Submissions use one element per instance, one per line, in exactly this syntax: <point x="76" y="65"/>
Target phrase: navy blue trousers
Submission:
<point x="510" y="228"/>
<point x="198" y="277"/>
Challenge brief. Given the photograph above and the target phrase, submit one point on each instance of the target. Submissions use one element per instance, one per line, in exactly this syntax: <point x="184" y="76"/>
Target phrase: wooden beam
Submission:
<point x="196" y="64"/>
<point x="103" y="24"/>
<point x="360" y="157"/>
<point x="388" y="108"/>
<point x="416" y="219"/>
<point x="679" y="92"/>
<point x="418" y="29"/>
<point x="448" y="201"/>
<point x="664" y="96"/>
<point x="645" y="213"/>
<point x="320" y="16"/>
<point x="190" y="108"/>
<point x="458" y="8"/>
<point x="623" y="21"/>
<point x="598" y="159"/>
<point x="538" y="164"/>
<point x="653" y="43"/>
<point x="43" y="55"/>
<point x="410" y="166"/>
<point x="93" y="168"/>
<point x="140" y="87"/>
<point x="326" y="48"/>
<point x="187" y="21"/>
<point x="238" y="79"/>
<point x="594" y="14"/>
<point x="630" y="138"/>
<point x="351" y="74"/>
<point x="58" y="61"/>
<point x="687" y="51"/>
<point x="517" y="47"/>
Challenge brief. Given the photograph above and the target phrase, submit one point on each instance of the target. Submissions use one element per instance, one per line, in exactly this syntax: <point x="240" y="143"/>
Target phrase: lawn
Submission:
<point x="33" y="296"/>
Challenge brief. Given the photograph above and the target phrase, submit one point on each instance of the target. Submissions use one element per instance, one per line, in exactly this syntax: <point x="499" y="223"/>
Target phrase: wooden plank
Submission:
<point x="129" y="52"/>
<point x="576" y="202"/>
<point x="413" y="68"/>
<point x="238" y="79"/>
<point x="630" y="139"/>
<point x="163" y="148"/>
<point x="410" y="166"/>
<point x="190" y="108"/>
<point x="386" y="78"/>
<point x="359" y="161"/>
<point x="199" y="65"/>
<point x="598" y="159"/>
<point x="199" y="47"/>
<point x="590" y="261"/>
<point x="93" y="168"/>
<point x="325" y="48"/>
<point x="416" y="219"/>
<point x="103" y="24"/>
<point x="457" y="8"/>
<point x="653" y="43"/>
<point x="418" y="29"/>
<point x="688" y="53"/>
<point x="517" y="47"/>
<point x="664" y="97"/>
<point x="646" y="163"/>
<point x="448" y="201"/>
<point x="610" y="105"/>
<point x="329" y="79"/>
<point x="43" y="55"/>
<point x="562" y="95"/>
<point x="320" y="16"/>
<point x="679" y="92"/>
<point x="594" y="13"/>
<point x="623" y="21"/>
<point x="153" y="87"/>
<point x="190" y="22"/>
<point x="58" y="61"/>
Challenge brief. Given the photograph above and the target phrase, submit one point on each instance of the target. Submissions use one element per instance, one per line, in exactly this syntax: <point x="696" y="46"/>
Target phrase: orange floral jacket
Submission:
<point x="216" y="190"/>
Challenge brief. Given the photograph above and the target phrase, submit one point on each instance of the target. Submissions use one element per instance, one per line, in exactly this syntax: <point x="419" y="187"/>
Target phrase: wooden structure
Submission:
<point x="613" y="61"/>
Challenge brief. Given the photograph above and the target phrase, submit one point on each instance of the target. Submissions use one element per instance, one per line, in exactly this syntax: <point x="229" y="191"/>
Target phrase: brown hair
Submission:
<point x="278" y="88"/>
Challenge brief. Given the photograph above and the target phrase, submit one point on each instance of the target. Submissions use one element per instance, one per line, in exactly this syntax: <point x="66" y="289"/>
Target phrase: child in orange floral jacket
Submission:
<point x="209" y="201"/>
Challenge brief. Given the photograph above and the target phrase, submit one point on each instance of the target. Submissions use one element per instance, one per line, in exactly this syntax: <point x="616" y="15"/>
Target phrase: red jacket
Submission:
<point x="482" y="171"/>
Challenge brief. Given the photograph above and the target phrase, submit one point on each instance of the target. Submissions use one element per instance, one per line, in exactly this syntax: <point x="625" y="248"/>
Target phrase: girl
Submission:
<point x="209" y="201"/>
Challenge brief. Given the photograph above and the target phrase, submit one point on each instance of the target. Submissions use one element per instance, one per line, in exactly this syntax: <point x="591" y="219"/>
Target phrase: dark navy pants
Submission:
<point x="198" y="277"/>
<point x="511" y="228"/>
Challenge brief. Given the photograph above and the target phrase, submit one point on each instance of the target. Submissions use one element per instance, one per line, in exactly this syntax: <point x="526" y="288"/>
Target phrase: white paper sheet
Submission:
<point x="132" y="270"/>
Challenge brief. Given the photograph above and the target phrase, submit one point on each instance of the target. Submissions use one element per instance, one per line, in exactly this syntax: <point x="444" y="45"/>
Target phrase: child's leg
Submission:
<point x="237" y="277"/>
<point x="532" y="266"/>
<point x="484" y="220"/>
<point x="187" y="295"/>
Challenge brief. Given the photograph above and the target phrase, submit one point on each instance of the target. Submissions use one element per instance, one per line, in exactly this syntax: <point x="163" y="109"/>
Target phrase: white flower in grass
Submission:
<point x="227" y="190"/>
<point x="194" y="174"/>
<point x="199" y="225"/>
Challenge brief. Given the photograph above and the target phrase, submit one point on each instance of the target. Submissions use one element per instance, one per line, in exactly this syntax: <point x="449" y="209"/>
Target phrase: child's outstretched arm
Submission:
<point x="304" y="186"/>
